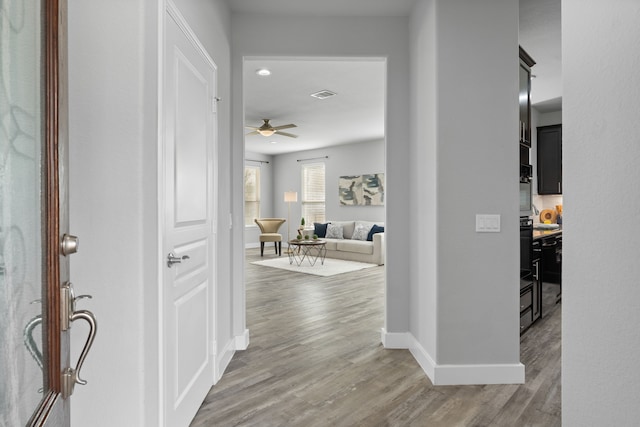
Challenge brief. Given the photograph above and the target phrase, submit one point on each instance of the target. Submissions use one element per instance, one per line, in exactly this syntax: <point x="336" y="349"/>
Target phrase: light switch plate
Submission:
<point x="487" y="223"/>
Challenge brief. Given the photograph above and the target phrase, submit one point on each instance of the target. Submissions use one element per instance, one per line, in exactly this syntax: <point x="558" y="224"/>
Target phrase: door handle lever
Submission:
<point x="93" y="327"/>
<point x="173" y="259"/>
<point x="30" y="342"/>
<point x="71" y="376"/>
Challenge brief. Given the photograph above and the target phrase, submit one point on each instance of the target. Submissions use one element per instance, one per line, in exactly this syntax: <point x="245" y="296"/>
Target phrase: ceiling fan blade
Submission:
<point x="255" y="132"/>
<point x="290" y="125"/>
<point x="251" y="127"/>
<point x="290" y="135"/>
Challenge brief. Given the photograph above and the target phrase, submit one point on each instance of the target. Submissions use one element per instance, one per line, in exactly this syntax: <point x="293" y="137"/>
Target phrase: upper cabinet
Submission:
<point x="550" y="159"/>
<point x="526" y="62"/>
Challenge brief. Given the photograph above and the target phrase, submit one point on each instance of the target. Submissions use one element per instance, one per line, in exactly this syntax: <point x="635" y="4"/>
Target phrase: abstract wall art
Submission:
<point x="361" y="190"/>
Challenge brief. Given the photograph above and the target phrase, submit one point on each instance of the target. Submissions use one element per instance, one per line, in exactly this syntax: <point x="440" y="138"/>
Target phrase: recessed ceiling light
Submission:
<point x="274" y="142"/>
<point x="263" y="72"/>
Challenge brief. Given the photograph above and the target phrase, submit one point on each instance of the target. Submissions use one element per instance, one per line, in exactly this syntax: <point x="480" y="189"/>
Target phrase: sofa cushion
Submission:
<point x="347" y="228"/>
<point x="335" y="231"/>
<point x="331" y="244"/>
<point x="375" y="229"/>
<point x="320" y="229"/>
<point x="359" y="246"/>
<point x="361" y="231"/>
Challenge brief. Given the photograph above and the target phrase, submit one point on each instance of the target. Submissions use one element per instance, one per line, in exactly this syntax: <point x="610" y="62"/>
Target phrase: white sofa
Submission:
<point x="355" y="250"/>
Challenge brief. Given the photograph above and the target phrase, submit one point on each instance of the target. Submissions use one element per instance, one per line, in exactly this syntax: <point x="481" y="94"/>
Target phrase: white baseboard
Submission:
<point x="242" y="341"/>
<point x="223" y="359"/>
<point x="453" y="374"/>
<point x="423" y="358"/>
<point x="251" y="245"/>
<point x="479" y="374"/>
<point x="397" y="340"/>
<point x="466" y="374"/>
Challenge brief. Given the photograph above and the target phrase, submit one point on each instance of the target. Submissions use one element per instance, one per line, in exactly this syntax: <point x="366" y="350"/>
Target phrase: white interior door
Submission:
<point x="188" y="241"/>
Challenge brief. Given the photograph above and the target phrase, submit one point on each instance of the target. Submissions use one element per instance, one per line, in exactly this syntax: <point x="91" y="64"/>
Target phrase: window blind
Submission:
<point x="313" y="193"/>
<point x="251" y="194"/>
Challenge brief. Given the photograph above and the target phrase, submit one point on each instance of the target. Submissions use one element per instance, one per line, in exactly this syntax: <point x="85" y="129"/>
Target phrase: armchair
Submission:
<point x="269" y="233"/>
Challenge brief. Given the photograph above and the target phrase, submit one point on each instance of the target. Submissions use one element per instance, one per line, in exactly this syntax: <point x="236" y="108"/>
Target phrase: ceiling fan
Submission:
<point x="267" y="130"/>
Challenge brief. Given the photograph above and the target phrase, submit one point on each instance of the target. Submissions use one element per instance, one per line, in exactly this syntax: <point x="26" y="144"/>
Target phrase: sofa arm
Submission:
<point x="378" y="247"/>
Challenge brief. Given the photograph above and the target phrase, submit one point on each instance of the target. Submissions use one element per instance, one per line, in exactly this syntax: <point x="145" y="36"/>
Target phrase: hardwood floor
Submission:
<point x="315" y="359"/>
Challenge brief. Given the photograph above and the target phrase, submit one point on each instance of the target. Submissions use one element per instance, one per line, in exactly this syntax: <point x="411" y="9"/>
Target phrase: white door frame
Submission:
<point x="168" y="10"/>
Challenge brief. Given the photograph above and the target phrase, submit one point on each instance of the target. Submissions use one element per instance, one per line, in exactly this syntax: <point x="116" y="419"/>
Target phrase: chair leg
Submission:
<point x="275" y="244"/>
<point x="261" y="248"/>
<point x="280" y="248"/>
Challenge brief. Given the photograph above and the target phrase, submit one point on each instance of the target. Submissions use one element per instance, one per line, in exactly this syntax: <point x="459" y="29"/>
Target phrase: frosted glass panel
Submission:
<point x="21" y="365"/>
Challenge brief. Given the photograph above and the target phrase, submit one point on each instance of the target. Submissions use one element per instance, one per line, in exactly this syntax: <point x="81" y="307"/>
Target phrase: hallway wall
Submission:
<point x="600" y="269"/>
<point x="464" y="295"/>
<point x="113" y="110"/>
<point x="352" y="37"/>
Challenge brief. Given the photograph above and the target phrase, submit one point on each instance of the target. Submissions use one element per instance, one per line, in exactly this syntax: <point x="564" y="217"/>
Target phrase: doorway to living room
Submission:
<point x="314" y="136"/>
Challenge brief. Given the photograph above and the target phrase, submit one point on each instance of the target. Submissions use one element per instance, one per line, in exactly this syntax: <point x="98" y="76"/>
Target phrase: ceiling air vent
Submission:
<point x="323" y="94"/>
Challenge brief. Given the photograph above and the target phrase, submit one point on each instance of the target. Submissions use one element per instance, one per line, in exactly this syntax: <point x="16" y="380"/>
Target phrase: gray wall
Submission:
<point x="465" y="85"/>
<point x="351" y="159"/>
<point x="284" y="173"/>
<point x="424" y="166"/>
<point x="601" y="143"/>
<point x="379" y="37"/>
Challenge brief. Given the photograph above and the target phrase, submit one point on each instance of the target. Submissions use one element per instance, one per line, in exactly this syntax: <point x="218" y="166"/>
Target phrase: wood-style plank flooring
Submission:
<point x="315" y="359"/>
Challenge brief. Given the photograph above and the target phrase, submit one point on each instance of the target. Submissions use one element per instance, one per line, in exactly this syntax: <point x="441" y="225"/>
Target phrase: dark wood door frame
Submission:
<point x="55" y="124"/>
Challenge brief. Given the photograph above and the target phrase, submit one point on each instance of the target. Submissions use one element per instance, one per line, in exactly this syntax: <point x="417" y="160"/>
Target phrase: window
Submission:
<point x="313" y="193"/>
<point x="251" y="194"/>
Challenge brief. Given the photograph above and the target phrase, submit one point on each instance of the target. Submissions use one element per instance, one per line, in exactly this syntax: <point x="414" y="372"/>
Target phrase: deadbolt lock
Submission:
<point x="69" y="244"/>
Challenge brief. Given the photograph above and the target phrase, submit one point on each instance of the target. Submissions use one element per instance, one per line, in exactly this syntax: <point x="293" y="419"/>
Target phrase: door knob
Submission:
<point x="69" y="244"/>
<point x="173" y="259"/>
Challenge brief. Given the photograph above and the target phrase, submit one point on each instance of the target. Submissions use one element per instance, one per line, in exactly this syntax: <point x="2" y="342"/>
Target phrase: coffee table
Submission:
<point x="311" y="250"/>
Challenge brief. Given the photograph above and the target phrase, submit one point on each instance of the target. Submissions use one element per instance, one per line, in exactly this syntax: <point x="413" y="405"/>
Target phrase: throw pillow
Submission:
<point x="320" y="229"/>
<point x="375" y="229"/>
<point x="334" y="231"/>
<point x="361" y="232"/>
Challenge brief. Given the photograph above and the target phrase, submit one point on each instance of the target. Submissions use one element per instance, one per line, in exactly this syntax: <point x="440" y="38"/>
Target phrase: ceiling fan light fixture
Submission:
<point x="266" y="132"/>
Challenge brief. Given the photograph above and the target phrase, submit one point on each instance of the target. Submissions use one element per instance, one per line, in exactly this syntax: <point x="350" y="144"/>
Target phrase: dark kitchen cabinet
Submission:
<point x="550" y="159"/>
<point x="524" y="128"/>
<point x="526" y="311"/>
<point x="536" y="305"/>
<point x="526" y="62"/>
<point x="531" y="291"/>
<point x="552" y="261"/>
<point x="529" y="295"/>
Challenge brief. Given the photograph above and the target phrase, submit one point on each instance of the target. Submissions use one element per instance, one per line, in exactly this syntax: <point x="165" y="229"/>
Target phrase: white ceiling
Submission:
<point x="324" y="7"/>
<point x="354" y="114"/>
<point x="357" y="112"/>
<point x="540" y="36"/>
